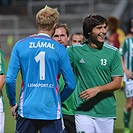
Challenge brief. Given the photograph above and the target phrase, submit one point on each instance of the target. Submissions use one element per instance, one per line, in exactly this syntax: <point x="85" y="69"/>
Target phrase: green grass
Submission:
<point x="10" y="122"/>
<point x="120" y="102"/>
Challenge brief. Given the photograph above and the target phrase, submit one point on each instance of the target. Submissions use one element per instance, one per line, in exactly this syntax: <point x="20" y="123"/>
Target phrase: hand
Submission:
<point x="129" y="74"/>
<point x="14" y="110"/>
<point x="89" y="93"/>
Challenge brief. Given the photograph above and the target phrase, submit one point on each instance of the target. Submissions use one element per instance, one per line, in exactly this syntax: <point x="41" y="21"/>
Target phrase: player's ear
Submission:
<point x="54" y="26"/>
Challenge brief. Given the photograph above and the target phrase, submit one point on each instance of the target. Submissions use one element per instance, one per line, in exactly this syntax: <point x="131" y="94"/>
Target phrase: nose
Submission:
<point x="104" y="30"/>
<point x="59" y="37"/>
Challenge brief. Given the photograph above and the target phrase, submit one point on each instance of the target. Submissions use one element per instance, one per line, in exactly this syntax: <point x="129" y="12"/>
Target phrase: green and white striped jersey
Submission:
<point x="126" y="52"/>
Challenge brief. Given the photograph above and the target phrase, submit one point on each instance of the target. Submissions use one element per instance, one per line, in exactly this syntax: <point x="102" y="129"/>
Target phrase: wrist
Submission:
<point x="101" y="89"/>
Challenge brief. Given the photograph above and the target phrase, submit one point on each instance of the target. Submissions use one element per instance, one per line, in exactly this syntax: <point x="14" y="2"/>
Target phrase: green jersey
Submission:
<point x="2" y="71"/>
<point x="127" y="53"/>
<point x="93" y="67"/>
<point x="68" y="104"/>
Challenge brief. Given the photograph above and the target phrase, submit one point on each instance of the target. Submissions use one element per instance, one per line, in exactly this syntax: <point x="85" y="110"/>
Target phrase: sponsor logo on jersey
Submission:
<point x="82" y="61"/>
<point x="40" y="85"/>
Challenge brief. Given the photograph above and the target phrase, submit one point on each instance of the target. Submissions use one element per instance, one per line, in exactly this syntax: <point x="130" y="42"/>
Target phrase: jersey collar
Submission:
<point x="43" y="34"/>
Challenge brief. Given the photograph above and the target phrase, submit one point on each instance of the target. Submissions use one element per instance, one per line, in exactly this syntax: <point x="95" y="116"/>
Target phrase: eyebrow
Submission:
<point x="58" y="35"/>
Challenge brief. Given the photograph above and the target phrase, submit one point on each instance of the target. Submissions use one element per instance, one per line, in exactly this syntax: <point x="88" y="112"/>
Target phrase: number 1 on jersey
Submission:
<point x="41" y="57"/>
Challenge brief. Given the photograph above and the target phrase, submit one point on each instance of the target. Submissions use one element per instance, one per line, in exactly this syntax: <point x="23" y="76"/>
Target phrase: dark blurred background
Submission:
<point x="17" y="17"/>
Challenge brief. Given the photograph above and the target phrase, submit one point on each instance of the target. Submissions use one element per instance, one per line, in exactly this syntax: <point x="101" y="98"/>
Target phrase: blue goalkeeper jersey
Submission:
<point x="40" y="60"/>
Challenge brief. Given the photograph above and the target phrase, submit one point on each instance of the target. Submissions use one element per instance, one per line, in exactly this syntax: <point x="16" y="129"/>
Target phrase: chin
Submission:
<point x="101" y="41"/>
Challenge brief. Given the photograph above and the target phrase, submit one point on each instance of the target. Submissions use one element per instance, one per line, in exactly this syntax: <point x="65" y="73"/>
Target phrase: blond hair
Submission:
<point x="46" y="18"/>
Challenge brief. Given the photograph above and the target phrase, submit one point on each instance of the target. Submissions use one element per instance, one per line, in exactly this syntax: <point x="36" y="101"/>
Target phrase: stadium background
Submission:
<point x="17" y="20"/>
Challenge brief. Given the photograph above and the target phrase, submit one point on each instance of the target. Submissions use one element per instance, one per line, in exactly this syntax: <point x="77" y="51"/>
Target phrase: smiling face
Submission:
<point x="99" y="32"/>
<point x="95" y="29"/>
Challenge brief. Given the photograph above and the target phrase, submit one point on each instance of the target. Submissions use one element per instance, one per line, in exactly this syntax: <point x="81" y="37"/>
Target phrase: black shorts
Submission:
<point x="25" y="125"/>
<point x="69" y="122"/>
